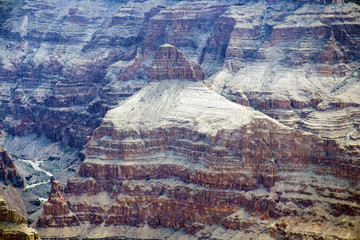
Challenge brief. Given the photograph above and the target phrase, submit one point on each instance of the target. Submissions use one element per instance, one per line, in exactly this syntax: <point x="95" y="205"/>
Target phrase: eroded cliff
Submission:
<point x="178" y="155"/>
<point x="13" y="225"/>
<point x="176" y="150"/>
<point x="8" y="173"/>
<point x="65" y="62"/>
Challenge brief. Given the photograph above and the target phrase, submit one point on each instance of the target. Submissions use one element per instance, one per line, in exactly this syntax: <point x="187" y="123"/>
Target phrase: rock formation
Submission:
<point x="8" y="173"/>
<point x="12" y="187"/>
<point x="301" y="69"/>
<point x="169" y="63"/>
<point x="57" y="208"/>
<point x="178" y="155"/>
<point x="176" y="147"/>
<point x="13" y="225"/>
<point x="62" y="62"/>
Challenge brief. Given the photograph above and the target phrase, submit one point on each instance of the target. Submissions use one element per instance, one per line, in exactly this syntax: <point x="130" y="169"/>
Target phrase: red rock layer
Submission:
<point x="57" y="208"/>
<point x="169" y="63"/>
<point x="169" y="173"/>
<point x="8" y="173"/>
<point x="74" y="77"/>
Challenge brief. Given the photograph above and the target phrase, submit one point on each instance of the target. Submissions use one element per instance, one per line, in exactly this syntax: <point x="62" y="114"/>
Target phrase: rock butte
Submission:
<point x="179" y="155"/>
<point x="171" y="64"/>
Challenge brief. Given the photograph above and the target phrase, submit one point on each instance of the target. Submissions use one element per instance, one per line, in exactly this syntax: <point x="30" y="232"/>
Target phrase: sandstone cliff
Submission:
<point x="179" y="156"/>
<point x="8" y="173"/>
<point x="169" y="63"/>
<point x="13" y="225"/>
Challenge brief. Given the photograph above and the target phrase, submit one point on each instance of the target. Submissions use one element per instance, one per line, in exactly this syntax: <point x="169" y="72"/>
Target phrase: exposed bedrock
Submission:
<point x="178" y="155"/>
<point x="69" y="67"/>
<point x="299" y="65"/>
<point x="8" y="173"/>
<point x="71" y="61"/>
<point x="13" y="225"/>
<point x="169" y="63"/>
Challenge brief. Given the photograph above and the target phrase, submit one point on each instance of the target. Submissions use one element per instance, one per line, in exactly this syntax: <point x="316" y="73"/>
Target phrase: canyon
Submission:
<point x="191" y="119"/>
<point x="178" y="155"/>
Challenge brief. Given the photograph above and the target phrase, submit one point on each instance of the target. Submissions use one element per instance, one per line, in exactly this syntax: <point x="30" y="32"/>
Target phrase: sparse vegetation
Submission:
<point x="67" y="149"/>
<point x="27" y="164"/>
<point x="342" y="84"/>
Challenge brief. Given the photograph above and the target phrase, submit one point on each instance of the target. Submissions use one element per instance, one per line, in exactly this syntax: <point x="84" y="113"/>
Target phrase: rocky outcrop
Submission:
<point x="57" y="208"/>
<point x="8" y="173"/>
<point x="180" y="156"/>
<point x="169" y="63"/>
<point x="13" y="225"/>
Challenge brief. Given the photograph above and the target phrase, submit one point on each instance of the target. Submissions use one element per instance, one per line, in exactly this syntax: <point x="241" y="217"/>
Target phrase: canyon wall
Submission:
<point x="68" y="62"/>
<point x="8" y="173"/>
<point x="274" y="156"/>
<point x="179" y="155"/>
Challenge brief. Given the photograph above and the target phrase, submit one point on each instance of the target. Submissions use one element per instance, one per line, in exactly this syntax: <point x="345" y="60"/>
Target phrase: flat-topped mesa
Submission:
<point x="170" y="63"/>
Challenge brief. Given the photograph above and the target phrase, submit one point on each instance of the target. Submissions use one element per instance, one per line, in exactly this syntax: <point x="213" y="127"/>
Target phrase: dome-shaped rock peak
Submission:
<point x="170" y="63"/>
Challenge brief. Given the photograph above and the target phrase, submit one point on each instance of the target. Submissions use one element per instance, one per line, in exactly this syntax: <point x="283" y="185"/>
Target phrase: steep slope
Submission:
<point x="179" y="156"/>
<point x="65" y="64"/>
<point x="296" y="63"/>
<point x="8" y="173"/>
<point x="12" y="187"/>
<point x="71" y="61"/>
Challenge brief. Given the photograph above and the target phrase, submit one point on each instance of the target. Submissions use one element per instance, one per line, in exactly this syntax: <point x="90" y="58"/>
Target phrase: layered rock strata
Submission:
<point x="62" y="61"/>
<point x="57" y="208"/>
<point x="178" y="155"/>
<point x="299" y="68"/>
<point x="169" y="63"/>
<point x="8" y="173"/>
<point x="13" y="225"/>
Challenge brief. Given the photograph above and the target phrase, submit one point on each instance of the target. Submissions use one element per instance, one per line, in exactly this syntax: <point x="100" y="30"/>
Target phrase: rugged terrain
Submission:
<point x="64" y="64"/>
<point x="8" y="173"/>
<point x="13" y="225"/>
<point x="178" y="155"/>
<point x="275" y="155"/>
<point x="12" y="187"/>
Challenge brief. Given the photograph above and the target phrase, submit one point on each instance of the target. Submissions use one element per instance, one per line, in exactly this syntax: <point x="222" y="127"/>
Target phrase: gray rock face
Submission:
<point x="69" y="62"/>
